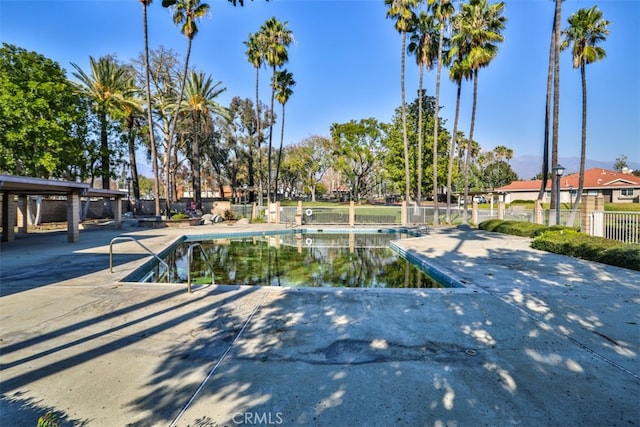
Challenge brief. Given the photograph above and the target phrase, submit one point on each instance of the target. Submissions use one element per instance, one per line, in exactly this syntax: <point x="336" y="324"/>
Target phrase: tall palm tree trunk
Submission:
<point x="172" y="130"/>
<point x="407" y="177"/>
<point x="583" y="147"/>
<point x="104" y="150"/>
<point x="420" y="141"/>
<point x="259" y="141"/>
<point x="469" y="145"/>
<point x="452" y="150"/>
<point x="132" y="164"/>
<point x="547" y="114"/>
<point x="556" y="98"/>
<point x="273" y="95"/>
<point x="279" y="153"/>
<point x="152" y="138"/>
<point x="197" y="180"/>
<point x="436" y="219"/>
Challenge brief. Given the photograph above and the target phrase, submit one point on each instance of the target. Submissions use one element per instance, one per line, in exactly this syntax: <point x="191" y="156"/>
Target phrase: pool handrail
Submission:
<point x="190" y="257"/>
<point x="132" y="239"/>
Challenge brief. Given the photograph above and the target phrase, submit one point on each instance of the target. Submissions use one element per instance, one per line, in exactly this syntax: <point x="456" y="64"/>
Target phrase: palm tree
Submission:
<point x="458" y="70"/>
<point x="479" y="28"/>
<point x="109" y="87"/>
<point x="131" y="109"/>
<point x="442" y="10"/>
<point x="284" y="83"/>
<point x="277" y="38"/>
<point x="152" y="138"/>
<point x="586" y="30"/>
<point x="402" y="12"/>
<point x="255" y="55"/>
<point x="422" y="45"/>
<point x="200" y="95"/>
<point x="185" y="14"/>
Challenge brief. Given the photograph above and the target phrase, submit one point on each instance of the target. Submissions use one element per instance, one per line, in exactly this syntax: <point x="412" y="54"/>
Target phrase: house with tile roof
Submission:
<point x="614" y="187"/>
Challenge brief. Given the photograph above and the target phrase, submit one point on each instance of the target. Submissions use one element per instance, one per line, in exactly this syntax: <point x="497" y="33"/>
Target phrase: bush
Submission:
<point x="518" y="228"/>
<point x="179" y="215"/>
<point x="592" y="248"/>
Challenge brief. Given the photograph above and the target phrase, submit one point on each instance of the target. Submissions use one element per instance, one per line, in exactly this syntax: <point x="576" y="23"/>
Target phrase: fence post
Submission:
<point x="352" y="213"/>
<point x="586" y="208"/>
<point x="403" y="213"/>
<point x="538" y="217"/>
<point x="474" y="212"/>
<point x="501" y="209"/>
<point x="299" y="213"/>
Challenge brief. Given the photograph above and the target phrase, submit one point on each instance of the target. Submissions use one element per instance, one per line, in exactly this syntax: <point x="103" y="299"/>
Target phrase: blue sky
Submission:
<point x="346" y="62"/>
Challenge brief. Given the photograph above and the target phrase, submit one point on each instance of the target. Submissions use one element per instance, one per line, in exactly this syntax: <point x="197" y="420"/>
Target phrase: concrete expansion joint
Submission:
<point x="583" y="346"/>
<point x="213" y="370"/>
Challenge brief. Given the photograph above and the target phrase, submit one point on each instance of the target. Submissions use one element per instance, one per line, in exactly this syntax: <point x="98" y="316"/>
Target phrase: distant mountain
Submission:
<point x="528" y="165"/>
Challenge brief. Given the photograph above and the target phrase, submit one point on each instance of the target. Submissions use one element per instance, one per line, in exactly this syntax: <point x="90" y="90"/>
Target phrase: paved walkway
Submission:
<point x="535" y="339"/>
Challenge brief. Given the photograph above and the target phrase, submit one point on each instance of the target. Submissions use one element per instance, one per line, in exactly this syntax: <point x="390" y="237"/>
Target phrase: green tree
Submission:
<point x="422" y="44"/>
<point x="621" y="163"/>
<point x="403" y="13"/>
<point x="284" y="82"/>
<point x="310" y="160"/>
<point x="359" y="153"/>
<point x="110" y="87"/>
<point x="480" y="28"/>
<point x="276" y="38"/>
<point x="497" y="174"/>
<point x="586" y="30"/>
<point x="40" y="114"/>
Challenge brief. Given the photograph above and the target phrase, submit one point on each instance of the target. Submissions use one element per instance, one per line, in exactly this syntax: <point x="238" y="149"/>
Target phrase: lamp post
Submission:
<point x="558" y="170"/>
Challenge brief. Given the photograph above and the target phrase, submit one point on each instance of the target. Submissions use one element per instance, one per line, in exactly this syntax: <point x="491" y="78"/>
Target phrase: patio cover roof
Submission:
<point x="49" y="187"/>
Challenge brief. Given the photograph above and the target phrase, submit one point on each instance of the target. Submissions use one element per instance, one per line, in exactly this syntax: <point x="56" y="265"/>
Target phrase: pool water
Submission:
<point x="301" y="259"/>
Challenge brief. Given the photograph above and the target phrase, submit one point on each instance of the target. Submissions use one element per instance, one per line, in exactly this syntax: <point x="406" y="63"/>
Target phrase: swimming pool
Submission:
<point x="292" y="258"/>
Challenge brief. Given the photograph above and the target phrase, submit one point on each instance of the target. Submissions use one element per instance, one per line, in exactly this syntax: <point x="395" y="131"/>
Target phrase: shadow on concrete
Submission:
<point x="40" y="259"/>
<point x="520" y="350"/>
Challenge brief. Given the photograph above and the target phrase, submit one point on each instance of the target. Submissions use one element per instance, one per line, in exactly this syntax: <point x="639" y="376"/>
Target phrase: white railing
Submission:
<point x="622" y="226"/>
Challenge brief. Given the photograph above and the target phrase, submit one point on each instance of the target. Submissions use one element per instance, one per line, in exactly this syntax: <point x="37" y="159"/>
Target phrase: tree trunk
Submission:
<point x="152" y="139"/>
<point x="436" y="215"/>
<point x="583" y="148"/>
<point x="172" y="128"/>
<point x="556" y="100"/>
<point x="407" y="177"/>
<point x="452" y="150"/>
<point x="279" y="154"/>
<point x="420" y="141"/>
<point x="547" y="113"/>
<point x="469" y="145"/>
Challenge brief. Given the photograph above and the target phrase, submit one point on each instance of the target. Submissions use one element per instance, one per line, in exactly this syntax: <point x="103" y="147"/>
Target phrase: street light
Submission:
<point x="558" y="170"/>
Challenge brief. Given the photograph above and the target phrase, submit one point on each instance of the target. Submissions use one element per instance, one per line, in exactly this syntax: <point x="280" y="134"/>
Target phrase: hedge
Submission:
<point x="569" y="241"/>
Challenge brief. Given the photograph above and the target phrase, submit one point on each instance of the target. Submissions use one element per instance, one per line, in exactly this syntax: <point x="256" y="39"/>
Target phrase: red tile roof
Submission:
<point x="595" y="178"/>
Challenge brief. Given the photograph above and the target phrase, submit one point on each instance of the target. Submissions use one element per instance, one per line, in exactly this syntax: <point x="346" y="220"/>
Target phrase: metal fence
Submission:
<point x="622" y="226"/>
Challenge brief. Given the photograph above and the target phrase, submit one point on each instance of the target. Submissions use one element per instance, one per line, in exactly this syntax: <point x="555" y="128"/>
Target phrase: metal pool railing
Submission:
<point x="132" y="239"/>
<point x="190" y="258"/>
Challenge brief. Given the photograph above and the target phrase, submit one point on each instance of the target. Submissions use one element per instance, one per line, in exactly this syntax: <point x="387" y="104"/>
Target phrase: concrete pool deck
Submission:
<point x="534" y="339"/>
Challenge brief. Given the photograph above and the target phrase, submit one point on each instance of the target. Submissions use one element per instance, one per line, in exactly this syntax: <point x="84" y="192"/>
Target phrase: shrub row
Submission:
<point x="519" y="228"/>
<point x="569" y="241"/>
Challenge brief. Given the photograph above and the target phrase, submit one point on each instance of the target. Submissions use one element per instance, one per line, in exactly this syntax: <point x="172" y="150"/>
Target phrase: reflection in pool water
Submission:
<point x="361" y="260"/>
